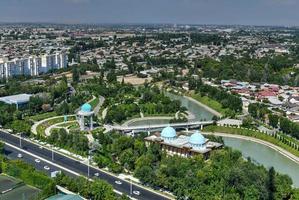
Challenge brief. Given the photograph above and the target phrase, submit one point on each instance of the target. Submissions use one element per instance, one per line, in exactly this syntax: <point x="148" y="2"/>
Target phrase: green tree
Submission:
<point x="271" y="183"/>
<point x="273" y="120"/>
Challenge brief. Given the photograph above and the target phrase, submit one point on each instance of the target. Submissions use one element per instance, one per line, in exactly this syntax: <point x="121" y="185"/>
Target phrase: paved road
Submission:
<point x="70" y="164"/>
<point x="157" y="126"/>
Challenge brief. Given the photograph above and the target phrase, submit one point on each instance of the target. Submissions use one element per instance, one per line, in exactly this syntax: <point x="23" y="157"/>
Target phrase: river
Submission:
<point x="198" y="112"/>
<point x="257" y="152"/>
<point x="265" y="156"/>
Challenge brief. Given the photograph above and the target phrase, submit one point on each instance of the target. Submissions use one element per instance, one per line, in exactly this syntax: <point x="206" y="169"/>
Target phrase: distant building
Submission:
<point x="182" y="145"/>
<point x="18" y="100"/>
<point x="33" y="65"/>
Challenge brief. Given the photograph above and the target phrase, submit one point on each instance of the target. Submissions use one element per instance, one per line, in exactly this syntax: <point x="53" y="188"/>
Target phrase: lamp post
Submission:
<point x="52" y="153"/>
<point x="131" y="187"/>
<point x="88" y="166"/>
<point x="20" y="134"/>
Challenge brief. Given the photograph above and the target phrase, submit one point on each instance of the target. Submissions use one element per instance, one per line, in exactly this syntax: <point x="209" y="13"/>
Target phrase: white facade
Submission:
<point x="33" y="65"/>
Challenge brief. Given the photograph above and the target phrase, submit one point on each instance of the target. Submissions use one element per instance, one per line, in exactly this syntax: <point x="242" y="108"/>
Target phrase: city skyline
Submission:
<point x="230" y="12"/>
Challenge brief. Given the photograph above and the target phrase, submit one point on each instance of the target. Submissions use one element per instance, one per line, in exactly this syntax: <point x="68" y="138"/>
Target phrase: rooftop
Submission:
<point x="16" y="99"/>
<point x="65" y="197"/>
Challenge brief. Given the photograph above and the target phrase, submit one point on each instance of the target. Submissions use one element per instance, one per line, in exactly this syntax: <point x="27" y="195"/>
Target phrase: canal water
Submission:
<point x="257" y="152"/>
<point x="265" y="156"/>
<point x="199" y="113"/>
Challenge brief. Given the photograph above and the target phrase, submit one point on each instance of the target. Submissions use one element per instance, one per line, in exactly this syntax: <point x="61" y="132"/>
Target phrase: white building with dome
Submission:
<point x="182" y="145"/>
<point x="84" y="113"/>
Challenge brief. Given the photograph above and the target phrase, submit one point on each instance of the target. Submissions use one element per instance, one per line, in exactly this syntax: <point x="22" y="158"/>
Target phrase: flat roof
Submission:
<point x="16" y="99"/>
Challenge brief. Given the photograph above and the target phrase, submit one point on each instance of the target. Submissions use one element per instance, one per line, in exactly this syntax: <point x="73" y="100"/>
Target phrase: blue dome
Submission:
<point x="86" y="107"/>
<point x="168" y="132"/>
<point x="197" y="139"/>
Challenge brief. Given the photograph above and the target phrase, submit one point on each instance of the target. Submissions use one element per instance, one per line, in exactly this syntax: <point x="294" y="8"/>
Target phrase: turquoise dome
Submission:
<point x="86" y="107"/>
<point x="168" y="132"/>
<point x="197" y="139"/>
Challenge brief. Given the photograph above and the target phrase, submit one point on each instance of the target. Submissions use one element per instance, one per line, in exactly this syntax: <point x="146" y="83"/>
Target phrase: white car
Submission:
<point x="136" y="192"/>
<point x="96" y="174"/>
<point x="37" y="160"/>
<point x="20" y="155"/>
<point x="46" y="167"/>
<point x="118" y="182"/>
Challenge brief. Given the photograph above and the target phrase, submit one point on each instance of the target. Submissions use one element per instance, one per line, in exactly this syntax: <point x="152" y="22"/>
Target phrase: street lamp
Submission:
<point x="131" y="187"/>
<point x="20" y="134"/>
<point x="88" y="165"/>
<point x="52" y="153"/>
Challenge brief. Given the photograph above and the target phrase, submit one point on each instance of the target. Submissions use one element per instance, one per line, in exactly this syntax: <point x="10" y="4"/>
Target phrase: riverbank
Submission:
<point x="256" y="134"/>
<point x="268" y="144"/>
<point x="209" y="109"/>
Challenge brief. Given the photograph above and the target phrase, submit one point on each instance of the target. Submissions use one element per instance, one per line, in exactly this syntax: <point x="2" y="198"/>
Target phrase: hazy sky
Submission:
<point x="253" y="12"/>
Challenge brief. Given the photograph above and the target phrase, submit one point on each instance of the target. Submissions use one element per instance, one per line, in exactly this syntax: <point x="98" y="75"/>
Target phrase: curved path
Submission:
<point x="36" y="124"/>
<point x="268" y="144"/>
<point x="48" y="129"/>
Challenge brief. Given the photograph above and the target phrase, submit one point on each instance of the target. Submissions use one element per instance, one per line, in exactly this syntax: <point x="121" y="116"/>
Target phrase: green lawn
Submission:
<point x="94" y="102"/>
<point x="210" y="103"/>
<point x="42" y="127"/>
<point x="42" y="116"/>
<point x="255" y="134"/>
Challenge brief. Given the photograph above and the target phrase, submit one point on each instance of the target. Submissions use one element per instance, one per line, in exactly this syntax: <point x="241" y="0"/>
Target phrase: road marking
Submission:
<point x="56" y="165"/>
<point x="107" y="173"/>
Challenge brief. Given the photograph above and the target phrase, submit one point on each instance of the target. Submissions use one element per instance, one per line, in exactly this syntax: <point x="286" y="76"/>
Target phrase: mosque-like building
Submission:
<point x="182" y="145"/>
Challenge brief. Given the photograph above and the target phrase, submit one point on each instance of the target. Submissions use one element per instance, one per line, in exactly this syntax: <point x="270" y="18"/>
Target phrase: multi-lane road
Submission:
<point x="31" y="151"/>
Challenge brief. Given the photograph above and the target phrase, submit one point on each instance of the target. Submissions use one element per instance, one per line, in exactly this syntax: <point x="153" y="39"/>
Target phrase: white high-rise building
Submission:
<point x="33" y="65"/>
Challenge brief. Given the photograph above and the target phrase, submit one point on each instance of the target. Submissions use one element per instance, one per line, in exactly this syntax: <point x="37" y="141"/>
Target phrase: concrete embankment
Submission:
<point x="268" y="144"/>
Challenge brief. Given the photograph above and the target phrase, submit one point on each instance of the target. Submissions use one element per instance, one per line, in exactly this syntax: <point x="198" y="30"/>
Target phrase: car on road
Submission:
<point x="118" y="182"/>
<point x="46" y="167"/>
<point x="96" y="174"/>
<point x="20" y="155"/>
<point x="136" y="192"/>
<point x="37" y="160"/>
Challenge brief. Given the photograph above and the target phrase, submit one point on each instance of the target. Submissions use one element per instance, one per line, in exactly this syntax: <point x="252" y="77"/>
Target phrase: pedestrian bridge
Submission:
<point x="157" y="127"/>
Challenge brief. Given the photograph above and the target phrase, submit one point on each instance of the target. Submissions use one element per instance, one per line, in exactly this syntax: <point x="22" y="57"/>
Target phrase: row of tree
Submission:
<point x="225" y="176"/>
<point x="73" y="140"/>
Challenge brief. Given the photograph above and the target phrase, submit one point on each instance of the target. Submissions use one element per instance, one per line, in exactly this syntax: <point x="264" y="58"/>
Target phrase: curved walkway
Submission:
<point x="48" y="129"/>
<point x="36" y="124"/>
<point x="268" y="144"/>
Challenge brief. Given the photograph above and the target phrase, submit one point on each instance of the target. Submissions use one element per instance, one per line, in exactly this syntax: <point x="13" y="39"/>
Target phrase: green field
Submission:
<point x="13" y="189"/>
<point x="42" y="116"/>
<point x="210" y="103"/>
<point x="42" y="127"/>
<point x="94" y="102"/>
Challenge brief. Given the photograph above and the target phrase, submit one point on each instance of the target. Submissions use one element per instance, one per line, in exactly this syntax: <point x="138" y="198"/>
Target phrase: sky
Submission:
<point x="241" y="12"/>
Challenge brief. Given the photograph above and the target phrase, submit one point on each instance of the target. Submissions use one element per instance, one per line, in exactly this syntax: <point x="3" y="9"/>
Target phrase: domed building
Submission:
<point x="85" y="112"/>
<point x="197" y="140"/>
<point x="168" y="133"/>
<point x="182" y="144"/>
